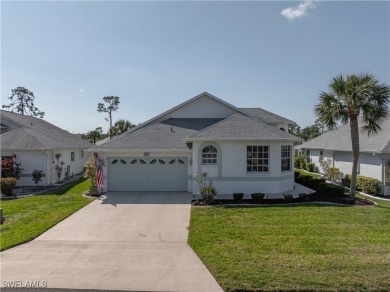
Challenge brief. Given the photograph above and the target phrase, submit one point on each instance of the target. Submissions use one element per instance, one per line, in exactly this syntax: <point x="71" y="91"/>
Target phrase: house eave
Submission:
<point x="342" y="150"/>
<point x="241" y="139"/>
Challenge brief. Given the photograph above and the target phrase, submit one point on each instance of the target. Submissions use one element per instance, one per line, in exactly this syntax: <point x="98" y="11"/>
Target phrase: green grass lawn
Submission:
<point x="304" y="172"/>
<point x="304" y="247"/>
<point x="29" y="217"/>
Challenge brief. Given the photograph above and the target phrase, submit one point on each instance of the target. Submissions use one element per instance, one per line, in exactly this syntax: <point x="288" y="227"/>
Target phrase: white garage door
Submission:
<point x="147" y="174"/>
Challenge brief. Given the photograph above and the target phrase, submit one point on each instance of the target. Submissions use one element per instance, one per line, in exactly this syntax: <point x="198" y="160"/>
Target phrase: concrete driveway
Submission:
<point x="122" y="241"/>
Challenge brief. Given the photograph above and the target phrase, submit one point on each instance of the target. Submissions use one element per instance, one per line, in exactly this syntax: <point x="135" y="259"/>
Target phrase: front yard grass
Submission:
<point x="304" y="172"/>
<point x="303" y="247"/>
<point x="29" y="217"/>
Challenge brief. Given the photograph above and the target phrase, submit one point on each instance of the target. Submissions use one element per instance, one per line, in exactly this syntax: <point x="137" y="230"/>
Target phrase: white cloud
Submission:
<point x="82" y="90"/>
<point x="296" y="12"/>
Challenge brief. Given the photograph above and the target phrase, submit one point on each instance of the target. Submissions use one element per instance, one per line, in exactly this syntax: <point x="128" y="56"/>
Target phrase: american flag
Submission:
<point x="99" y="172"/>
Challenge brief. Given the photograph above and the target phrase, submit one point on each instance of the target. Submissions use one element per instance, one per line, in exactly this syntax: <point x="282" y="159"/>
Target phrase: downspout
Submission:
<point x="383" y="174"/>
<point x="51" y="166"/>
<point x="44" y="153"/>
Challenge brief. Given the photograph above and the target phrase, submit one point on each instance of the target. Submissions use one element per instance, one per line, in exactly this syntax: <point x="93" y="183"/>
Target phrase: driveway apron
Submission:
<point x="121" y="241"/>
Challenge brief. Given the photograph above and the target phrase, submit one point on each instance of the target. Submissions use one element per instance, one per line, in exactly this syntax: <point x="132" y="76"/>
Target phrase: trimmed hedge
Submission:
<point x="288" y="197"/>
<point x="304" y="196"/>
<point x="304" y="179"/>
<point x="314" y="183"/>
<point x="332" y="190"/>
<point x="238" y="196"/>
<point x="310" y="167"/>
<point x="365" y="184"/>
<point x="296" y="175"/>
<point x="7" y="185"/>
<point x="257" y="197"/>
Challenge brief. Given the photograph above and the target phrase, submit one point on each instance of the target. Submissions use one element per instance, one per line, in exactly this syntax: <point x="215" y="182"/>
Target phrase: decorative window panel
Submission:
<point x="209" y="155"/>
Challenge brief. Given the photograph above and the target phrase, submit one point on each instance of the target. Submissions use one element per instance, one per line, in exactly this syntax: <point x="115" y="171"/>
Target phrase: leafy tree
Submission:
<point x="349" y="98"/>
<point x="11" y="166"/>
<point x="113" y="105"/>
<point x="294" y="129"/>
<point x="306" y="133"/>
<point x="95" y="135"/>
<point x="22" y="102"/>
<point x="90" y="173"/>
<point x="120" y="127"/>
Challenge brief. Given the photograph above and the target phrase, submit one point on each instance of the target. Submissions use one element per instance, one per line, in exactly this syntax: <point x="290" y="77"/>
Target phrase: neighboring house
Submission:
<point x="243" y="150"/>
<point x="374" y="156"/>
<point x="36" y="143"/>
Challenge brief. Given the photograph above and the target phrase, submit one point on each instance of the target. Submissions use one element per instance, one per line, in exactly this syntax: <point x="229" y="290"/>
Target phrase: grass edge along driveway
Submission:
<point x="302" y="247"/>
<point x="27" y="218"/>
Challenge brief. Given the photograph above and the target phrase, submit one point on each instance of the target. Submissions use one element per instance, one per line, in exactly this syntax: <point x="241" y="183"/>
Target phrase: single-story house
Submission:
<point x="42" y="146"/>
<point x="336" y="146"/>
<point x="242" y="149"/>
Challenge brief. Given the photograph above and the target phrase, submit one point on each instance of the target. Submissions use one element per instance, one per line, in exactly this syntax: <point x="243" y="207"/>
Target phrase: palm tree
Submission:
<point x="120" y="127"/>
<point x="350" y="98"/>
<point x="95" y="134"/>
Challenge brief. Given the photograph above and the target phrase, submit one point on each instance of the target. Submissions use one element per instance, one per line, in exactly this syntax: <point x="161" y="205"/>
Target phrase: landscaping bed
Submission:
<point x="21" y="192"/>
<point x="316" y="197"/>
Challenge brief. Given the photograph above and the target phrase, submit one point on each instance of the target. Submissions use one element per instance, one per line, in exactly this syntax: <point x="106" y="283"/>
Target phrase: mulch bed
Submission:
<point x="316" y="197"/>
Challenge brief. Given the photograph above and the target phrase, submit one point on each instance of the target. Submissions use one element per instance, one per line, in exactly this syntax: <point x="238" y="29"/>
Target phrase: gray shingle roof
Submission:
<point x="340" y="139"/>
<point x="266" y="116"/>
<point x="239" y="126"/>
<point x="204" y="94"/>
<point x="37" y="134"/>
<point x="167" y="135"/>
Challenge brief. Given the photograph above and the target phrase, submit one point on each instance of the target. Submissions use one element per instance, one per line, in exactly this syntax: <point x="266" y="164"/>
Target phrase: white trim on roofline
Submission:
<point x="241" y="139"/>
<point x="341" y="150"/>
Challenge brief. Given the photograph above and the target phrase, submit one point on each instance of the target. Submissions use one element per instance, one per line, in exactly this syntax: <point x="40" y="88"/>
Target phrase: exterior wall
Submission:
<point x="173" y="153"/>
<point x="204" y="107"/>
<point x="75" y="166"/>
<point x="44" y="160"/>
<point x="232" y="175"/>
<point x="30" y="160"/>
<point x="370" y="164"/>
<point x="315" y="158"/>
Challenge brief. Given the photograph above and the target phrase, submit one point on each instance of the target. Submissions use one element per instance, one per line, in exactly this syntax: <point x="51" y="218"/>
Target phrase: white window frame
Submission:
<point x="209" y="156"/>
<point x="307" y="155"/>
<point x="285" y="158"/>
<point x="253" y="155"/>
<point x="72" y="157"/>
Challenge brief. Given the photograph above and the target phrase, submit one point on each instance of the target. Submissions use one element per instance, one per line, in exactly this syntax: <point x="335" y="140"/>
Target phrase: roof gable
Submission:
<point x="203" y="105"/>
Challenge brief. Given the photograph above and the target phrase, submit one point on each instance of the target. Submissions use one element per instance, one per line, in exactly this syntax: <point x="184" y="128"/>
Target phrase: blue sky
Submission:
<point x="155" y="55"/>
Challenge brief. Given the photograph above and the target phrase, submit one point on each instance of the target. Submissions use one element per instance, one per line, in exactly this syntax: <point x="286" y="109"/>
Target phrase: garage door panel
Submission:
<point x="147" y="174"/>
